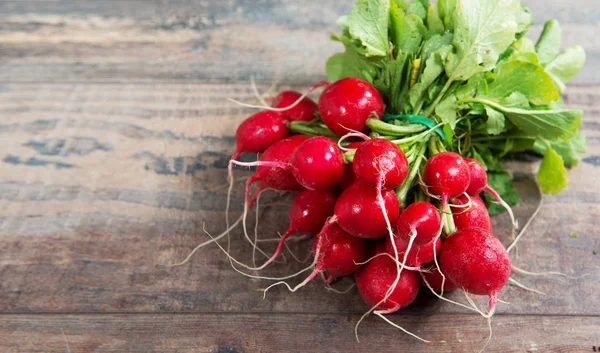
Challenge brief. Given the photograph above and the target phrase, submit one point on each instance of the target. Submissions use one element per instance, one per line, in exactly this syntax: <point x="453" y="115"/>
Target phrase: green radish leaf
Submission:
<point x="516" y="100"/>
<point x="549" y="124"/>
<point x="548" y="45"/>
<point x="416" y="8"/>
<point x="495" y="121"/>
<point x="483" y="29"/>
<point x="403" y="4"/>
<point x="434" y="23"/>
<point x="500" y="181"/>
<point x="552" y="176"/>
<point x="446" y="9"/>
<point x="566" y="65"/>
<point x="407" y="31"/>
<point x="447" y="109"/>
<point x="434" y="66"/>
<point x="569" y="150"/>
<point x="435" y="43"/>
<point x="368" y="23"/>
<point x="524" y="21"/>
<point x="349" y="64"/>
<point x="449" y="134"/>
<point x="524" y="77"/>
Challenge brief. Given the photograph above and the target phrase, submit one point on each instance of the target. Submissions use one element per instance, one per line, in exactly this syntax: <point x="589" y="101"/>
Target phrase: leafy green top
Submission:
<point x="468" y="66"/>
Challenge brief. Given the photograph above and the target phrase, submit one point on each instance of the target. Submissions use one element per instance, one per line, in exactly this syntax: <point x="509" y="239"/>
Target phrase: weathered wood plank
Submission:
<point x="207" y="41"/>
<point x="102" y="184"/>
<point x="236" y="333"/>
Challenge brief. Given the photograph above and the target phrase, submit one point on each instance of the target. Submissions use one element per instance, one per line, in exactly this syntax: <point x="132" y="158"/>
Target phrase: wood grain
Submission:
<point x="272" y="332"/>
<point x="206" y="41"/>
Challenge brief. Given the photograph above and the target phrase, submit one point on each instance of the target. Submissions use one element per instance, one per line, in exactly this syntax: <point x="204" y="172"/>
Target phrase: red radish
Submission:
<point x="476" y="261"/>
<point x="417" y="255"/>
<point x="272" y="171"/>
<point x="478" y="176"/>
<point x="421" y="220"/>
<point x="339" y="252"/>
<point x="349" y="176"/>
<point x="475" y="215"/>
<point x="259" y="132"/>
<point x="347" y="104"/>
<point x="379" y="159"/>
<point x="375" y="278"/>
<point x="336" y="252"/>
<point x="256" y="134"/>
<point x="358" y="212"/>
<point x="318" y="164"/>
<point x="446" y="175"/>
<point x="310" y="209"/>
<point x="434" y="279"/>
<point x="303" y="111"/>
<point x="479" y="183"/>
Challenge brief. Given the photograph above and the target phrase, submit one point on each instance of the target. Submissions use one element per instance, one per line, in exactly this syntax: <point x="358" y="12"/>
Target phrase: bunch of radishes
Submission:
<point x="375" y="212"/>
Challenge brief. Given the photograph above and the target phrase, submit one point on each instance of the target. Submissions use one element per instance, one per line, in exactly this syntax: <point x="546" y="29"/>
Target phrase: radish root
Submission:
<point x="535" y="213"/>
<point x="268" y="107"/>
<point x="522" y="286"/>
<point x="380" y="314"/>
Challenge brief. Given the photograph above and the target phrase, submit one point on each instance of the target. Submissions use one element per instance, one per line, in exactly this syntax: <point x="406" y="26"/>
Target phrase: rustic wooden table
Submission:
<point x="114" y="136"/>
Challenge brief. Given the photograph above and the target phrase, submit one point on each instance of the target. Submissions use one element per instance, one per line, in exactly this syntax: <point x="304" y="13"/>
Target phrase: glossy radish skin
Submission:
<point x="318" y="164"/>
<point x="380" y="158"/>
<point x="339" y="251"/>
<point x="259" y="131"/>
<point x="303" y="111"/>
<point x="349" y="176"/>
<point x="359" y="214"/>
<point x="310" y="209"/>
<point x="348" y="103"/>
<point x="277" y="177"/>
<point x="475" y="216"/>
<point x="374" y="278"/>
<point x="476" y="261"/>
<point x="417" y="255"/>
<point x="478" y="176"/>
<point x="434" y="279"/>
<point x="421" y="219"/>
<point x="446" y="175"/>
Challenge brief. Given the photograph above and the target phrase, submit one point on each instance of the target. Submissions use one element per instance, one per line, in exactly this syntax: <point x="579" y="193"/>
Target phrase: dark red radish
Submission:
<point x="417" y="255"/>
<point x="259" y="132"/>
<point x="339" y="252"/>
<point x="375" y="278"/>
<point x="349" y="176"/>
<point x="475" y="215"/>
<point x="446" y="175"/>
<point x="476" y="261"/>
<point x="358" y="212"/>
<point x="318" y="164"/>
<point x="380" y="160"/>
<point x="303" y="111"/>
<point x="421" y="220"/>
<point x="434" y="279"/>
<point x="310" y="209"/>
<point x="479" y="183"/>
<point x="347" y="104"/>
